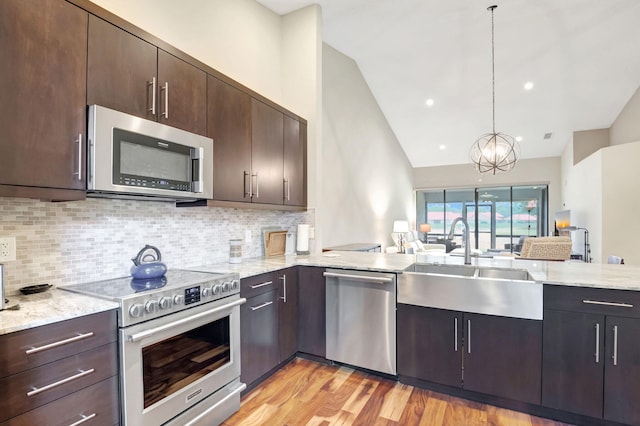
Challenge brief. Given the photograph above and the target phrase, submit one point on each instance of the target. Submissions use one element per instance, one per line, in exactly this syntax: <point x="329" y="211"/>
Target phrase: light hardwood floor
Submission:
<point x="309" y="393"/>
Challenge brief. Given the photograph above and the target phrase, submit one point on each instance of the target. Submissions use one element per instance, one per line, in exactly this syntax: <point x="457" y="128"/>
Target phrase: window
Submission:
<point x="497" y="217"/>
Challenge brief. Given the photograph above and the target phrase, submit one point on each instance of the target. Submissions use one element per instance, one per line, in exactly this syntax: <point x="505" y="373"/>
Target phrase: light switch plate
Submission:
<point x="7" y="249"/>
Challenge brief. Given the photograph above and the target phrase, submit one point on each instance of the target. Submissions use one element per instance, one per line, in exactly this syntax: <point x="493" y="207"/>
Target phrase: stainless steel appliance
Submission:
<point x="130" y="157"/>
<point x="361" y="319"/>
<point x="179" y="343"/>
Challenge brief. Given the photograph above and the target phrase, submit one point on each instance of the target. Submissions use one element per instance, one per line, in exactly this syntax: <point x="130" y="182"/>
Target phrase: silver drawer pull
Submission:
<point x="81" y="373"/>
<point x="255" y="308"/>
<point x="597" y="354"/>
<point x="616" y="304"/>
<point x="58" y="343"/>
<point x="615" y="345"/>
<point x="83" y="419"/>
<point x="262" y="285"/>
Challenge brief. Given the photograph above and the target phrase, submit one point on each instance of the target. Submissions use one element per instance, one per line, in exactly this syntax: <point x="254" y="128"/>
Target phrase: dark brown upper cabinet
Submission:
<point x="229" y="125"/>
<point x="128" y="74"/>
<point x="267" y="164"/>
<point x="42" y="101"/>
<point x="295" y="162"/>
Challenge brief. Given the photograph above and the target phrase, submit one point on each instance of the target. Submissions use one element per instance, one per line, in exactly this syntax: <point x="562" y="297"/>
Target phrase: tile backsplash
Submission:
<point x="72" y="242"/>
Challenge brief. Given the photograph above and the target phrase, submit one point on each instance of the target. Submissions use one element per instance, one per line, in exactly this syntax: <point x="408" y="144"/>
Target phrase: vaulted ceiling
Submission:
<point x="582" y="57"/>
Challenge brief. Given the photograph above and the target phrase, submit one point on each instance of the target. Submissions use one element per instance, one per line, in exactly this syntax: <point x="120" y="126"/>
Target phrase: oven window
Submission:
<point x="178" y="361"/>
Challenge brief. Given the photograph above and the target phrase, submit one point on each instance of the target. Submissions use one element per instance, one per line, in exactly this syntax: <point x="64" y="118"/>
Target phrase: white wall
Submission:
<point x="367" y="178"/>
<point x="582" y="193"/>
<point x="526" y="172"/>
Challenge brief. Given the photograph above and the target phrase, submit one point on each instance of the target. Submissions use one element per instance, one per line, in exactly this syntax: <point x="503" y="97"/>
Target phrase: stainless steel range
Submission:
<point x="179" y="339"/>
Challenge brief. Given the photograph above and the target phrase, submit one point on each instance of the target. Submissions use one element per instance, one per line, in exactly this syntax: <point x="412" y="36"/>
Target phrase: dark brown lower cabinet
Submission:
<point x="258" y="336"/>
<point x="591" y="365"/>
<point x="312" y="311"/>
<point x="426" y="335"/>
<point x="287" y="313"/>
<point x="493" y="355"/>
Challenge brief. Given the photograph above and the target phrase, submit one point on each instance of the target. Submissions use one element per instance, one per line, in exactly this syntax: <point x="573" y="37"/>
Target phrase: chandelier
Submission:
<point x="494" y="152"/>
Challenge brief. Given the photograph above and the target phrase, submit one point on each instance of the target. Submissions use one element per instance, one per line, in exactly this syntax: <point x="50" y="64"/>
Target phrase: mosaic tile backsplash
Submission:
<point x="80" y="241"/>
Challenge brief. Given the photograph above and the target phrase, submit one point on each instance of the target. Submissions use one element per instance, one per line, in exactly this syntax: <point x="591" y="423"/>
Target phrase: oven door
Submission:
<point x="171" y="363"/>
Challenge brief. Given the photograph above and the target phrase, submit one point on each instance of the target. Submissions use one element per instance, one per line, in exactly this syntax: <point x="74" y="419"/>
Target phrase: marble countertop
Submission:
<point x="48" y="307"/>
<point x="58" y="305"/>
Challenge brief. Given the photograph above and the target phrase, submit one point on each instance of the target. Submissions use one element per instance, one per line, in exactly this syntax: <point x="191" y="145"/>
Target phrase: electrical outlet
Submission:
<point x="7" y="249"/>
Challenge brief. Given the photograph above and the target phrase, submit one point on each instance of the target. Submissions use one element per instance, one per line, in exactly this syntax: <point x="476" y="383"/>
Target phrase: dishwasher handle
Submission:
<point x="369" y="278"/>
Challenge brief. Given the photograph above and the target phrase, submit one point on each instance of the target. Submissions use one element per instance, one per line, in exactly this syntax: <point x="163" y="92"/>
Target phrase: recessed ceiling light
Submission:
<point x="518" y="138"/>
<point x="528" y="85"/>
<point x="442" y="147"/>
<point x="429" y="102"/>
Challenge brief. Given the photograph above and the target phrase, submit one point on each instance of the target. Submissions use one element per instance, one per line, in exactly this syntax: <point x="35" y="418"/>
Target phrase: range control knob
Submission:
<point x="206" y="291"/>
<point x="136" y="310"/>
<point x="178" y="299"/>
<point x="151" y="306"/>
<point x="226" y="287"/>
<point x="217" y="289"/>
<point x="235" y="284"/>
<point x="165" y="303"/>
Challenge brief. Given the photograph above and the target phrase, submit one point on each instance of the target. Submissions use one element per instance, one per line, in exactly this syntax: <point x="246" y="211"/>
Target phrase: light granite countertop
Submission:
<point x="58" y="305"/>
<point x="48" y="307"/>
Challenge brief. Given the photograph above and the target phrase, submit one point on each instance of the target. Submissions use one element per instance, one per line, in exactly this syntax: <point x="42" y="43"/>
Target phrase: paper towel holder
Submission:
<point x="302" y="239"/>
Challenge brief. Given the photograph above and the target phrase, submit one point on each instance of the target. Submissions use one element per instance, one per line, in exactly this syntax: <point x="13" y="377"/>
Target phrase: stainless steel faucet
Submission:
<point x="467" y="249"/>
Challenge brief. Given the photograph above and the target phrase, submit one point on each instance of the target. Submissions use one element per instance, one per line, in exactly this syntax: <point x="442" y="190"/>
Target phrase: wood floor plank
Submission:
<point x="308" y="393"/>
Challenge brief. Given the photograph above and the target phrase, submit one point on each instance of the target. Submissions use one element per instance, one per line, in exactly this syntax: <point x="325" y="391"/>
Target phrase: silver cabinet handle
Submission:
<point x="455" y="334"/>
<point x="284" y="284"/>
<point x="247" y="194"/>
<point x="615" y="345"/>
<point x="257" y="194"/>
<point x="81" y="373"/>
<point x="79" y="142"/>
<point x="58" y="343"/>
<point x="165" y="89"/>
<point x="255" y="308"/>
<point x="359" y="277"/>
<point x="597" y="354"/>
<point x="152" y="83"/>
<point x="83" y="419"/>
<point x="262" y="285"/>
<point x="468" y="336"/>
<point x="287" y="190"/>
<point x="615" y="304"/>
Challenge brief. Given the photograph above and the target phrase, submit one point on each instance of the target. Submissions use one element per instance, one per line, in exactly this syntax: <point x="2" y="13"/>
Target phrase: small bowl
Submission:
<point x="32" y="289"/>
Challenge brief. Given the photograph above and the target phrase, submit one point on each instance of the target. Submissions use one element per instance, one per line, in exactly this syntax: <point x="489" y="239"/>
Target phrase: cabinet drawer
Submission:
<point x="27" y="349"/>
<point x="623" y="303"/>
<point x="56" y="380"/>
<point x="98" y="404"/>
<point x="252" y="286"/>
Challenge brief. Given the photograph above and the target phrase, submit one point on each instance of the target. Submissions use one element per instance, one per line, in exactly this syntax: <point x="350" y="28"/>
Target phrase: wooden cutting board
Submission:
<point x="275" y="243"/>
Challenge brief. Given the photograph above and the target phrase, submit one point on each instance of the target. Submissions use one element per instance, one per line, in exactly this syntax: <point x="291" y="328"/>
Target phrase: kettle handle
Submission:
<point x="142" y="258"/>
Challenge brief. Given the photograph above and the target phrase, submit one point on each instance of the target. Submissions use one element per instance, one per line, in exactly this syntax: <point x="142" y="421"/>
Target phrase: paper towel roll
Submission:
<point x="302" y="239"/>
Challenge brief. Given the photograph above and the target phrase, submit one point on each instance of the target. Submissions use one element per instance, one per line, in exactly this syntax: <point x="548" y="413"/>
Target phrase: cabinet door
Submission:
<point x="288" y="312"/>
<point x="312" y="311"/>
<point x="295" y="162"/>
<point x="502" y="356"/>
<point x="622" y="370"/>
<point x="430" y="344"/>
<point x="42" y="93"/>
<point x="229" y="125"/>
<point x="267" y="154"/>
<point x="258" y="336"/>
<point x="120" y="70"/>
<point x="182" y="94"/>
<point x="572" y="362"/>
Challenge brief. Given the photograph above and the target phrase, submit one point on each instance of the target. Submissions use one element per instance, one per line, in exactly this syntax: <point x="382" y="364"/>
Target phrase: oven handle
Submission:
<point x="147" y="333"/>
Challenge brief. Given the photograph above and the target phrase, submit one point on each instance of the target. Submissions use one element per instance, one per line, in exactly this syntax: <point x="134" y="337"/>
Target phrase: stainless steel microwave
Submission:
<point x="130" y="157"/>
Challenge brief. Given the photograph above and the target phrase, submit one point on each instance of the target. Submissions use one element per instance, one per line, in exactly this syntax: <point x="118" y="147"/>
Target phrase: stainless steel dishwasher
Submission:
<point x="361" y="319"/>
